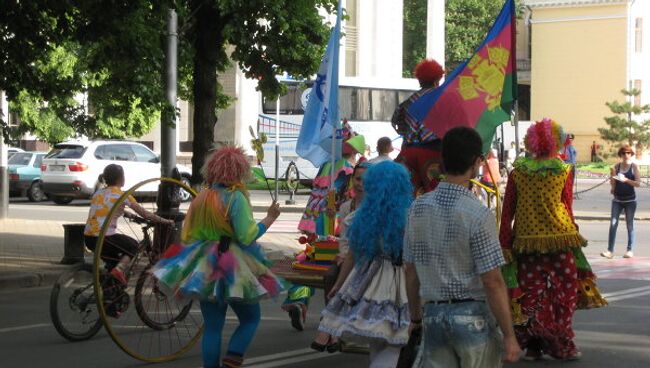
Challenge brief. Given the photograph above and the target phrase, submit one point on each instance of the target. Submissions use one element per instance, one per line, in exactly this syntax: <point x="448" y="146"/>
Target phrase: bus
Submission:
<point x="366" y="103"/>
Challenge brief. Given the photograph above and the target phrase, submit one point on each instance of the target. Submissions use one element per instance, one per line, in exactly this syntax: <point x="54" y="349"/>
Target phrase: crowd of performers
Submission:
<point x="541" y="258"/>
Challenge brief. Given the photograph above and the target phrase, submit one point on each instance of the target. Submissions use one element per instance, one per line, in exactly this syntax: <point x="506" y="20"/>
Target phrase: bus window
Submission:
<point x="290" y="103"/>
<point x="384" y="102"/>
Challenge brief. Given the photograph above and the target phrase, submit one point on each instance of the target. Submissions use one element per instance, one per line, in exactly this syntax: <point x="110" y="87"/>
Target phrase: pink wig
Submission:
<point x="544" y="138"/>
<point x="227" y="166"/>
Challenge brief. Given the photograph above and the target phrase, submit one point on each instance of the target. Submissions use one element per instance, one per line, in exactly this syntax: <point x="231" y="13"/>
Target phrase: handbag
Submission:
<point x="409" y="352"/>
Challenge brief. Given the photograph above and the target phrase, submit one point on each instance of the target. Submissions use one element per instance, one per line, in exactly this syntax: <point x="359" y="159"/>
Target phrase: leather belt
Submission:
<point x="451" y="301"/>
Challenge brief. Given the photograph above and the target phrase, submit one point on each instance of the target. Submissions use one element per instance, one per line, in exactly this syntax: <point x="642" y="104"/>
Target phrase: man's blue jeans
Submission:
<point x="459" y="335"/>
<point x="617" y="208"/>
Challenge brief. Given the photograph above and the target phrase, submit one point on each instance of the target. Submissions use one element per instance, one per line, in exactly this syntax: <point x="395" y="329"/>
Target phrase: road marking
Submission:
<point x="297" y="356"/>
<point x="285" y="354"/>
<point x="626" y="291"/>
<point x="20" y="328"/>
<point x="628" y="296"/>
<point x="284" y="362"/>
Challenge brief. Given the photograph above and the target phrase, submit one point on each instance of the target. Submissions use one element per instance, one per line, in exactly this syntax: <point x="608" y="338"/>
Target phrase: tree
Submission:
<point x="117" y="47"/>
<point x="466" y="24"/>
<point x="624" y="127"/>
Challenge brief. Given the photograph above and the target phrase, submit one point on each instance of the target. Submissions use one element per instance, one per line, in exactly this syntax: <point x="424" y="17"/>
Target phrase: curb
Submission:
<point x="285" y="208"/>
<point x="20" y="280"/>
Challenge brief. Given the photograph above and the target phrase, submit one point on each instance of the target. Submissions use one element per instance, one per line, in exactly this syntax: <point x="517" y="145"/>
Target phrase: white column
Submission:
<point x="436" y="30"/>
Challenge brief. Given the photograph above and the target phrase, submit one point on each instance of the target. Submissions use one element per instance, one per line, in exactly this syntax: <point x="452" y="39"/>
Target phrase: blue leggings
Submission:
<point x="214" y="317"/>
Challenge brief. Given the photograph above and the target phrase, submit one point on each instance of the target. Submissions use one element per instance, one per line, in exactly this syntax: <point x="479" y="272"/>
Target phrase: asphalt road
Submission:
<point x="617" y="335"/>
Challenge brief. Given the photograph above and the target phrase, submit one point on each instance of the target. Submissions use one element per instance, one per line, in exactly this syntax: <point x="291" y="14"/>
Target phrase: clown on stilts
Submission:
<point x="421" y="148"/>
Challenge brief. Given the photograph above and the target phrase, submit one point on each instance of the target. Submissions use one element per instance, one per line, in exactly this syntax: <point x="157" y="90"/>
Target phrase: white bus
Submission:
<point x="367" y="103"/>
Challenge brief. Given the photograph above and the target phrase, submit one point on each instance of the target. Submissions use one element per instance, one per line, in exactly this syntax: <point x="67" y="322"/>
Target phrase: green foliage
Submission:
<point x="40" y="119"/>
<point x="623" y="127"/>
<point x="113" y="53"/>
<point x="415" y="47"/>
<point x="467" y="22"/>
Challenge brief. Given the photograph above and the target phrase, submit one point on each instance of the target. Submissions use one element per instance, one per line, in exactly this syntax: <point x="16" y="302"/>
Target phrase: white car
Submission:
<point x="71" y="170"/>
<point x="12" y="150"/>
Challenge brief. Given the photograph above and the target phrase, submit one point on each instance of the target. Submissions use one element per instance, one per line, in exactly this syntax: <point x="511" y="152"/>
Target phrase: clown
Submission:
<point x="547" y="273"/>
<point x="420" y="151"/>
<point x="319" y="217"/>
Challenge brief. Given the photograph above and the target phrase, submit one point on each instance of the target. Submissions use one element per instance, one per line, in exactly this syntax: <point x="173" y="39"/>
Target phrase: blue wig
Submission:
<point x="382" y="214"/>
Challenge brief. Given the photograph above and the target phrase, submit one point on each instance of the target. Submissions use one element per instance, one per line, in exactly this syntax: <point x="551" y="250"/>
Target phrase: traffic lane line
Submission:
<point x="229" y="320"/>
<point x="284" y="358"/>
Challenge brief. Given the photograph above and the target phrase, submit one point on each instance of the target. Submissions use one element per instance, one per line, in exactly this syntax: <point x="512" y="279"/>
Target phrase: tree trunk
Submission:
<point x="208" y="42"/>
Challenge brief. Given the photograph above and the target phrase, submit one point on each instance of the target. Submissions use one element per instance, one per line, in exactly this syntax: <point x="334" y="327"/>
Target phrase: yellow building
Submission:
<point x="582" y="53"/>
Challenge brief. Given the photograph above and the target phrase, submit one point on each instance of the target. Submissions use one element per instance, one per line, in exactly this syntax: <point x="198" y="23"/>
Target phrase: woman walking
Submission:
<point x="625" y="176"/>
<point x="220" y="264"/>
<point x="369" y="303"/>
<point x="547" y="273"/>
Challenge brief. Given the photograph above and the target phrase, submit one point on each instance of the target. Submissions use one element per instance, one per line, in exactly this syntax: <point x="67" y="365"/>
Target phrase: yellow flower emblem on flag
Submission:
<point x="486" y="75"/>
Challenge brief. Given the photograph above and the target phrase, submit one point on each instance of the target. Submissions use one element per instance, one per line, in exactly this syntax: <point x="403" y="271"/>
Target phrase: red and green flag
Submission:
<point x="480" y="93"/>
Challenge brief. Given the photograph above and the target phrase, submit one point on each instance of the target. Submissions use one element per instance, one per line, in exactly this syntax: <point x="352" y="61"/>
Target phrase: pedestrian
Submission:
<point x="420" y="151"/>
<point x="570" y="155"/>
<point x="594" y="152"/>
<point x="624" y="177"/>
<point x="369" y="303"/>
<point x="490" y="177"/>
<point x="512" y="155"/>
<point x="118" y="249"/>
<point x="452" y="257"/>
<point x="549" y="276"/>
<point x="384" y="148"/>
<point x="220" y="262"/>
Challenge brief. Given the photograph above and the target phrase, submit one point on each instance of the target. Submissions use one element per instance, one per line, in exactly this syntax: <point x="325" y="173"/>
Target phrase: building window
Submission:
<point x="637" y="98"/>
<point x="638" y="34"/>
<point x="351" y="38"/>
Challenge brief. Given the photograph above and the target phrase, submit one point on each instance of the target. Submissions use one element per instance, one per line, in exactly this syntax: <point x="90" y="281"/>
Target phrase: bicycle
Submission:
<point x="157" y="328"/>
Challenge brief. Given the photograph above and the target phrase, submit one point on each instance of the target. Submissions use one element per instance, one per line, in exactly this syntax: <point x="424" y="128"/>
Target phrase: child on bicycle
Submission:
<point x="118" y="248"/>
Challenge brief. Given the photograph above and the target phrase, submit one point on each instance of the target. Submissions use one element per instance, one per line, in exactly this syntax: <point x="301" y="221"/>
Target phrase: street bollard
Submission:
<point x="73" y="243"/>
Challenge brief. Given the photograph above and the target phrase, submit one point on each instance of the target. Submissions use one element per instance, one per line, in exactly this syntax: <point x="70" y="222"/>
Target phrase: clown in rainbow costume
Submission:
<point x="315" y="220"/>
<point x="219" y="262"/>
<point x="547" y="274"/>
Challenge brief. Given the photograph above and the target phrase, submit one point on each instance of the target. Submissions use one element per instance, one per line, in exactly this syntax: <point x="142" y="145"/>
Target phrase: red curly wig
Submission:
<point x="428" y="71"/>
<point x="228" y="166"/>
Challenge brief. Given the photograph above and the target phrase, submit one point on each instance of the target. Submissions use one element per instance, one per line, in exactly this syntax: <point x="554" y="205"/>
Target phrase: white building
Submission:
<point x="371" y="51"/>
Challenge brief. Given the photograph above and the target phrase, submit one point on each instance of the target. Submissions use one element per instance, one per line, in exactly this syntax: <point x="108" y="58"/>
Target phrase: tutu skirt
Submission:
<point x="199" y="271"/>
<point x="372" y="304"/>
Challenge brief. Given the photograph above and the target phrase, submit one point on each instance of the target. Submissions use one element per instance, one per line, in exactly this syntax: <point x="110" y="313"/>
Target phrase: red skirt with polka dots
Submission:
<point x="549" y="284"/>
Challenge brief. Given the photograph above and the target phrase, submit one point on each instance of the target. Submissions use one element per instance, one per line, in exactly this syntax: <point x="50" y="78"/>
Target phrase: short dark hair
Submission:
<point x="460" y="148"/>
<point x="384" y="145"/>
<point x="112" y="174"/>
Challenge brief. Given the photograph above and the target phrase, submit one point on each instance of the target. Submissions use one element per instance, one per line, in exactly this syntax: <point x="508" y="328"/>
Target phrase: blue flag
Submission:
<point x="321" y="120"/>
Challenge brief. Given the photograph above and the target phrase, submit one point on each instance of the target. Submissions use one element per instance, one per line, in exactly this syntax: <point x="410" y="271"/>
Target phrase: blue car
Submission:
<point x="25" y="175"/>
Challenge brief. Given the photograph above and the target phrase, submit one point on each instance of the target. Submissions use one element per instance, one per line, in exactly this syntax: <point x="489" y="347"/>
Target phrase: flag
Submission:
<point x="480" y="93"/>
<point x="321" y="124"/>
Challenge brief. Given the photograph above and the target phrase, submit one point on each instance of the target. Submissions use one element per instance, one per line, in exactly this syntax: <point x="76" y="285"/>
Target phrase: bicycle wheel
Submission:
<point x="147" y="293"/>
<point x="73" y="307"/>
<point x="141" y="320"/>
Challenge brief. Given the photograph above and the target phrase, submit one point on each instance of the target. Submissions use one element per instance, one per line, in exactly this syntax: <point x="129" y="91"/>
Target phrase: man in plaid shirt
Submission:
<point x="452" y="257"/>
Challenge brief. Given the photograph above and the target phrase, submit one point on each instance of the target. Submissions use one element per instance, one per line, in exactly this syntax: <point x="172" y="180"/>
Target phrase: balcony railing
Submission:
<point x="523" y="65"/>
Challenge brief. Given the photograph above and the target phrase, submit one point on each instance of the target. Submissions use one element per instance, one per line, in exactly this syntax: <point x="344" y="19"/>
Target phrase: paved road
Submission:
<point x="616" y="335"/>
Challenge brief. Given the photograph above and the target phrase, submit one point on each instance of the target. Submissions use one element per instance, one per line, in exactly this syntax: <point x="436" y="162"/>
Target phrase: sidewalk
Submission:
<point x="31" y="250"/>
